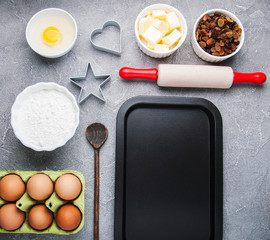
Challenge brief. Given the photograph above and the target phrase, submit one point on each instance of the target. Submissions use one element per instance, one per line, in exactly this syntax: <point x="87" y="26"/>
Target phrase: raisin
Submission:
<point x="210" y="41"/>
<point x="235" y="35"/>
<point x="227" y="50"/>
<point x="221" y="52"/>
<point x="203" y="32"/>
<point x="229" y="19"/>
<point x="205" y="17"/>
<point x="197" y="35"/>
<point x="205" y="38"/>
<point x="212" y="25"/>
<point x="233" y="47"/>
<point x="220" y="22"/>
<point x="202" y="44"/>
<point x="229" y="34"/>
<point x="214" y="33"/>
<point x="217" y="47"/>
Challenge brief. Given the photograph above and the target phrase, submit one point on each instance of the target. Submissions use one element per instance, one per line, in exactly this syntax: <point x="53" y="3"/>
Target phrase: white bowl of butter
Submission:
<point x="160" y="30"/>
<point x="44" y="116"/>
<point x="51" y="33"/>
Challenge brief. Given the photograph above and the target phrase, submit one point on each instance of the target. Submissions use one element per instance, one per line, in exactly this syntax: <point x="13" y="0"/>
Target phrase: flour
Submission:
<point x="46" y="118"/>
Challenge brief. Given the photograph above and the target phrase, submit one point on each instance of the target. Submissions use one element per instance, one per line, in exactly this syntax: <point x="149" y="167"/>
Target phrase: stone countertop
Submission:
<point x="245" y="108"/>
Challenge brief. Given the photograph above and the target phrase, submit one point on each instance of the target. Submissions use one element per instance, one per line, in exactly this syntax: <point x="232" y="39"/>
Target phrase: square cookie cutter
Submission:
<point x="76" y="80"/>
<point x="99" y="31"/>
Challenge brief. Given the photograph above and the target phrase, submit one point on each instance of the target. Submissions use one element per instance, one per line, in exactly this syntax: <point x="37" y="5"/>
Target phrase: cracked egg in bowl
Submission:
<point x="51" y="33"/>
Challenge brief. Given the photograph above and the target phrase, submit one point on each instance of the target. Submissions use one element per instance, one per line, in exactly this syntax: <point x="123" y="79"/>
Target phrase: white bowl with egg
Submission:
<point x="45" y="116"/>
<point x="150" y="46"/>
<point x="51" y="33"/>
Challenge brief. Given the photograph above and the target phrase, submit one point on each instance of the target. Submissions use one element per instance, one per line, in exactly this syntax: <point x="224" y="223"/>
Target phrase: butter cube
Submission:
<point x="161" y="48"/>
<point x="172" y="20"/>
<point x="150" y="17"/>
<point x="161" y="26"/>
<point x="149" y="45"/>
<point x="152" y="35"/>
<point x="144" y="23"/>
<point x="160" y="14"/>
<point x="172" y="38"/>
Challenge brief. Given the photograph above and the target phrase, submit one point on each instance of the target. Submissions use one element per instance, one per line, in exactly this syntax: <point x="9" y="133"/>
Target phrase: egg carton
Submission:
<point x="25" y="203"/>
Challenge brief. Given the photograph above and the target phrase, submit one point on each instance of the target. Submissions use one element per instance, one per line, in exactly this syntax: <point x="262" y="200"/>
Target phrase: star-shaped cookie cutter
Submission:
<point x="77" y="80"/>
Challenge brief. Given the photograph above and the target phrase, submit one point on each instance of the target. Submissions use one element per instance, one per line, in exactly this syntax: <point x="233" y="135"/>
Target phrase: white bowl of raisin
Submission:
<point x="217" y="35"/>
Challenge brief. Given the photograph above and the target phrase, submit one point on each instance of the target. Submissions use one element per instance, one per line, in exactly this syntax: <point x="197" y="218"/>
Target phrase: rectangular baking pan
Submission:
<point x="169" y="170"/>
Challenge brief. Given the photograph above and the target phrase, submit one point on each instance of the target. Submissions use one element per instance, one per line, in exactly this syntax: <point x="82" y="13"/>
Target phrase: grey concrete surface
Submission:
<point x="245" y="108"/>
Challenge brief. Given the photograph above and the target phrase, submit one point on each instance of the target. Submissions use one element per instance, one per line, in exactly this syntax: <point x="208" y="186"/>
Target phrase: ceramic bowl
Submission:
<point x="147" y="11"/>
<point x="33" y="32"/>
<point x="203" y="54"/>
<point x="19" y="124"/>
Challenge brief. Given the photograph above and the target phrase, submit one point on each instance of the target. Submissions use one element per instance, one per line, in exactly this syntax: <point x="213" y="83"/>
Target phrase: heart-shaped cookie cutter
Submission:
<point x="99" y="31"/>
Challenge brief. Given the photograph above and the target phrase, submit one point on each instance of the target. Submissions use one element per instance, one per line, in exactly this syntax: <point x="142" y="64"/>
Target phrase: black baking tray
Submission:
<point x="169" y="170"/>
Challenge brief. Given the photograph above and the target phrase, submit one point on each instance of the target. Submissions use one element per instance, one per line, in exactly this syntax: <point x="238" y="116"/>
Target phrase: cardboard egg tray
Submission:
<point x="25" y="203"/>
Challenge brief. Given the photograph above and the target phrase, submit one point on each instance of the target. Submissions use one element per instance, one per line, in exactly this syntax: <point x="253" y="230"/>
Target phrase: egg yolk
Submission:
<point x="52" y="36"/>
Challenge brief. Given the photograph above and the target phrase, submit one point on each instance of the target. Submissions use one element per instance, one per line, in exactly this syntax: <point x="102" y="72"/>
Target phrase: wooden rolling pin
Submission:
<point x="199" y="76"/>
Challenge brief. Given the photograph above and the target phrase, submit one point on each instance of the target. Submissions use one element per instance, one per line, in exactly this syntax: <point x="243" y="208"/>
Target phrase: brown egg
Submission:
<point x="11" y="218"/>
<point x="40" y="217"/>
<point x="68" y="186"/>
<point x="12" y="187"/>
<point x="68" y="217"/>
<point x="39" y="186"/>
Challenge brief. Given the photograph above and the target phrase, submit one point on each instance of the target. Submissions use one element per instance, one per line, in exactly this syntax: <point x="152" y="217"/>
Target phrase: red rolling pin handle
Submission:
<point x="257" y="77"/>
<point x="129" y="73"/>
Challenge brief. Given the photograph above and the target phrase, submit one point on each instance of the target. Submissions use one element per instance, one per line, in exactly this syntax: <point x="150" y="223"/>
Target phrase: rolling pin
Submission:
<point x="199" y="76"/>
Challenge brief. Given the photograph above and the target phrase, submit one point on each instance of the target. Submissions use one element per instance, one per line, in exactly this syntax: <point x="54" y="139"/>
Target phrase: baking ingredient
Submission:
<point x="218" y="34"/>
<point x="68" y="217"/>
<point x="152" y="35"/>
<point x="53" y="34"/>
<point x="160" y="14"/>
<point x="53" y="203"/>
<point x="40" y="217"/>
<point x="11" y="218"/>
<point x="172" y="20"/>
<point x="172" y="38"/>
<point x="161" y="48"/>
<point x="39" y="186"/>
<point x="46" y="118"/>
<point x="160" y="27"/>
<point x="68" y="186"/>
<point x="145" y="23"/>
<point x="12" y="187"/>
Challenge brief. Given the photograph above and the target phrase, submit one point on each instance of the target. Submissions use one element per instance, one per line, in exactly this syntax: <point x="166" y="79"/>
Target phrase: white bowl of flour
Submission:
<point x="44" y="116"/>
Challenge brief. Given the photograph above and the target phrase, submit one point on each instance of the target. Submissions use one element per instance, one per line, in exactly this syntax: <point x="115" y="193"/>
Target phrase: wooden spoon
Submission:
<point x="96" y="135"/>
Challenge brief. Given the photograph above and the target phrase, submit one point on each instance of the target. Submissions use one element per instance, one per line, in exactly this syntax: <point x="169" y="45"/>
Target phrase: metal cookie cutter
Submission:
<point x="99" y="31"/>
<point x="77" y="81"/>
